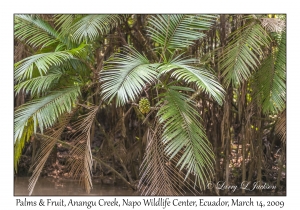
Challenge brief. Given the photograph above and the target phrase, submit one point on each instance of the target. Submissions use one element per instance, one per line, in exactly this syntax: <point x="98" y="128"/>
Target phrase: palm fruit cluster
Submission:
<point x="144" y="105"/>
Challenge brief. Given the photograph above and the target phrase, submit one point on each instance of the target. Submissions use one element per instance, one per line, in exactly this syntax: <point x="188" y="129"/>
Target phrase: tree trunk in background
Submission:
<point x="226" y="134"/>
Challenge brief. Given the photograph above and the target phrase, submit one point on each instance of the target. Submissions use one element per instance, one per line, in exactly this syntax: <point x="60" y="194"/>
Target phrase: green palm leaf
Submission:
<point x="19" y="144"/>
<point x="44" y="61"/>
<point x="41" y="113"/>
<point x="183" y="132"/>
<point x="65" y="22"/>
<point x="280" y="126"/>
<point x="89" y="27"/>
<point x="270" y="80"/>
<point x="280" y="63"/>
<point x="38" y="85"/>
<point x="178" y="31"/>
<point x="34" y="31"/>
<point x="125" y="75"/>
<point x="183" y="69"/>
<point x="243" y="52"/>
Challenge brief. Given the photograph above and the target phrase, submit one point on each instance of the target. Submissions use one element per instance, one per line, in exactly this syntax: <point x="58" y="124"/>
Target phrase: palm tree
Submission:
<point x="127" y="74"/>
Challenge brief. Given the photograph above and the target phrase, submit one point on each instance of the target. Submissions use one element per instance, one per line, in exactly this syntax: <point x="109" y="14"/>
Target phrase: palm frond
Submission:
<point x="242" y="54"/>
<point x="81" y="160"/>
<point x="65" y="22"/>
<point x="159" y="174"/>
<point x="125" y="75"/>
<point x="48" y="141"/>
<point x="270" y="81"/>
<point x="44" y="61"/>
<point x="38" y="85"/>
<point x="270" y="87"/>
<point x="89" y="27"/>
<point x="280" y="126"/>
<point x="183" y="132"/>
<point x="280" y="63"/>
<point x="41" y="113"/>
<point x="178" y="31"/>
<point x="34" y="31"/>
<point x="19" y="144"/>
<point x="185" y="70"/>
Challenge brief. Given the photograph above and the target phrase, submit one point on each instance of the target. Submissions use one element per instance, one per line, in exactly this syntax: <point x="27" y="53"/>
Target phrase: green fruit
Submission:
<point x="144" y="105"/>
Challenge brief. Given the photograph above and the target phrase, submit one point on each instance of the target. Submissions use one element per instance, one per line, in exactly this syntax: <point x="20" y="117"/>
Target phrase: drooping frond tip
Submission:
<point x="270" y="80"/>
<point x="242" y="54"/>
<point x="183" y="132"/>
<point x="81" y="160"/>
<point x="280" y="126"/>
<point x="47" y="141"/>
